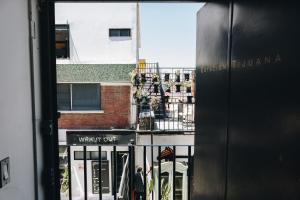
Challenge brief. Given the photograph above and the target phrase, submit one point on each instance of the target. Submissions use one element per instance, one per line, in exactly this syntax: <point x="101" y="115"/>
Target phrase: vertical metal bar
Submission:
<point x="159" y="172"/>
<point x="152" y="165"/>
<point x="174" y="171"/>
<point x="189" y="172"/>
<point x="100" y="171"/>
<point x="69" y="173"/>
<point x="145" y="178"/>
<point x="130" y="171"/>
<point x="85" y="173"/>
<point x="115" y="173"/>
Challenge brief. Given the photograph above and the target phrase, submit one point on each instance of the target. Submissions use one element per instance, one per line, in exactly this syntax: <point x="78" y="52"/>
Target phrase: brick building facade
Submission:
<point x="115" y="111"/>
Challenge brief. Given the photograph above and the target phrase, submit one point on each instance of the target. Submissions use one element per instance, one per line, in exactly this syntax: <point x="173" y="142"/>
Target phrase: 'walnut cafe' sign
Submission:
<point x="99" y="137"/>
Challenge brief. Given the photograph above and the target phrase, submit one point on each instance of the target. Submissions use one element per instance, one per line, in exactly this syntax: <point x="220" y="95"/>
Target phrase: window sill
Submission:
<point x="82" y="111"/>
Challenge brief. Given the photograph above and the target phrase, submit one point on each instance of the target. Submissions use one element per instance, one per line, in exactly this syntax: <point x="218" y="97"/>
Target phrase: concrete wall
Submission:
<point x="18" y="118"/>
<point x="89" y="32"/>
<point x="115" y="105"/>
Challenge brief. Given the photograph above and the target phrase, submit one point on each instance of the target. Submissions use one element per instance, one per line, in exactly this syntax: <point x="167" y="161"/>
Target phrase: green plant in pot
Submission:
<point x="64" y="185"/>
<point x="167" y="86"/>
<point x="188" y="85"/>
<point x="155" y="78"/>
<point x="177" y="76"/>
<point x="134" y="78"/>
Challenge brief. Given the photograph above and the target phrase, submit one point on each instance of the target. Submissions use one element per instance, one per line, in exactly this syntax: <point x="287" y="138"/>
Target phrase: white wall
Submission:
<point x="17" y="127"/>
<point x="89" y="32"/>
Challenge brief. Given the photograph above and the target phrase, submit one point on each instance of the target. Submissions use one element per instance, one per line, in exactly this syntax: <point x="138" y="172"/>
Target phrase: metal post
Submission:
<point x="174" y="171"/>
<point x="69" y="173"/>
<point x="159" y="172"/>
<point x="130" y="172"/>
<point x="100" y="172"/>
<point x="85" y="173"/>
<point x="189" y="172"/>
<point x="144" y="175"/>
<point x="115" y="173"/>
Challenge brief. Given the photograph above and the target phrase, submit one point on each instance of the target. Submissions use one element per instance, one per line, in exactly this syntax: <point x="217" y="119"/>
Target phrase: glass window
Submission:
<point x="63" y="97"/>
<point x="95" y="155"/>
<point x="85" y="97"/>
<point x="78" y="155"/>
<point x="124" y="32"/>
<point x="62" y="41"/>
<point x="78" y="97"/>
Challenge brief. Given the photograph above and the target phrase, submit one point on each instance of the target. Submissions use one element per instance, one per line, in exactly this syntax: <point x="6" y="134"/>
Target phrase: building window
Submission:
<point x="123" y="32"/>
<point x="90" y="155"/>
<point x="62" y="41"/>
<point x="78" y="96"/>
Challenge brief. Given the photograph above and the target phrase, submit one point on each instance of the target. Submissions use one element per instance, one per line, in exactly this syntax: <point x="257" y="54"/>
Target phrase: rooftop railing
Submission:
<point x="164" y="98"/>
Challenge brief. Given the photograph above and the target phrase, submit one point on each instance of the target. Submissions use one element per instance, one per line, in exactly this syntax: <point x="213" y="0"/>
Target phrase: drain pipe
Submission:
<point x="31" y="37"/>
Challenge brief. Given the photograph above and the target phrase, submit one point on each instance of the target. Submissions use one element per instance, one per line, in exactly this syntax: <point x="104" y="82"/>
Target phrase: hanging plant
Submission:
<point x="186" y="76"/>
<point x="178" y="86"/>
<point x="167" y="86"/>
<point x="154" y="102"/>
<point x="188" y="85"/>
<point x="155" y="78"/>
<point x="189" y="99"/>
<point x="155" y="88"/>
<point x="134" y="77"/>
<point x="167" y="76"/>
<point x="143" y="78"/>
<point x="177" y="76"/>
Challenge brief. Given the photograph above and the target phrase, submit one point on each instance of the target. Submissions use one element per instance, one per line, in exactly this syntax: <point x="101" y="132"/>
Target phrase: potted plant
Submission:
<point x="189" y="99"/>
<point x="143" y="78"/>
<point x="178" y="85"/>
<point x="154" y="103"/>
<point x="155" y="88"/>
<point x="177" y="76"/>
<point x="186" y="76"/>
<point x="167" y="86"/>
<point x="188" y="85"/>
<point x="167" y="76"/>
<point x="64" y="184"/>
<point x="155" y="78"/>
<point x="134" y="77"/>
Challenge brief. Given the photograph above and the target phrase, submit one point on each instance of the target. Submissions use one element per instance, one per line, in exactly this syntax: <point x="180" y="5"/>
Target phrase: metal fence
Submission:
<point x="164" y="98"/>
<point x="166" y="174"/>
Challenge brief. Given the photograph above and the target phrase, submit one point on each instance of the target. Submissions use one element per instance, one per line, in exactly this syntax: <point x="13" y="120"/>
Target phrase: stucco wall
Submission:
<point x="17" y="119"/>
<point x="89" y="32"/>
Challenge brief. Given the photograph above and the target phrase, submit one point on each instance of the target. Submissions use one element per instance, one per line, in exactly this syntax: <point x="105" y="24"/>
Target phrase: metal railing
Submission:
<point x="167" y="172"/>
<point x="164" y="98"/>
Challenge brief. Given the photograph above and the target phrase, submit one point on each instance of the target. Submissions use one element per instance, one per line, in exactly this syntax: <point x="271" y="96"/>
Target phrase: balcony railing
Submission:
<point x="164" y="98"/>
<point x="166" y="172"/>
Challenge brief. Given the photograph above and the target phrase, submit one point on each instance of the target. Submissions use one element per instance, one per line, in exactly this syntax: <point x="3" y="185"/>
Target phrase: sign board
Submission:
<point x="106" y="137"/>
<point x="104" y="176"/>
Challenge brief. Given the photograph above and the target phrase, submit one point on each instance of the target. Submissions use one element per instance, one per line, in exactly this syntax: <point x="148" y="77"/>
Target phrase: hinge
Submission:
<point x="47" y="127"/>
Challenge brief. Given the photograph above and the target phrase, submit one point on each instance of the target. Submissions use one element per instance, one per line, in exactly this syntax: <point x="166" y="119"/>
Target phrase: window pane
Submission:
<point x="63" y="97"/>
<point x="114" y="32"/>
<point x="62" y="41"/>
<point x="125" y="32"/>
<point x="78" y="155"/>
<point x="85" y="97"/>
<point x="95" y="155"/>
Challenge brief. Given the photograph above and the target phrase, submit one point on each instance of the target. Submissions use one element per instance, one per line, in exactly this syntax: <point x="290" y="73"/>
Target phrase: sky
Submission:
<point x="168" y="33"/>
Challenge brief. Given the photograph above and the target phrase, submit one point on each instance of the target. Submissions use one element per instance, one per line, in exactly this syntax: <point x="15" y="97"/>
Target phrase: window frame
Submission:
<point x="65" y="27"/>
<point x="71" y="110"/>
<point x="119" y="32"/>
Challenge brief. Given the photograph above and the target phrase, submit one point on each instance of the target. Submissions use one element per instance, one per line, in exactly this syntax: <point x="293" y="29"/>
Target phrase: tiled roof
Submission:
<point x="94" y="72"/>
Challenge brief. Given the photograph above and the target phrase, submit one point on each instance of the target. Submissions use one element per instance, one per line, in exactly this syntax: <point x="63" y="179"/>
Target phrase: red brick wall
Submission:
<point x="115" y="102"/>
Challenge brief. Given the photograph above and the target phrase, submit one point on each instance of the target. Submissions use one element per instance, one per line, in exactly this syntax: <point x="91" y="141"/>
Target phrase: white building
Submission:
<point x="100" y="33"/>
